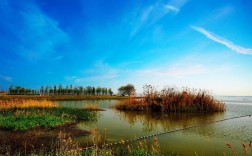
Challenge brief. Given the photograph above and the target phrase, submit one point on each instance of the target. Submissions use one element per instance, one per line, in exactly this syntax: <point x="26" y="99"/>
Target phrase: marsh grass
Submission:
<point x="92" y="107"/>
<point x="246" y="149"/>
<point x="139" y="148"/>
<point x="63" y="144"/>
<point x="22" y="103"/>
<point x="171" y="99"/>
<point x="18" y="114"/>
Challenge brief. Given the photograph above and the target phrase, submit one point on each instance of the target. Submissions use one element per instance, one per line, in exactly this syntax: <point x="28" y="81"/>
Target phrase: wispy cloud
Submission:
<point x="175" y="5"/>
<point x="174" y="71"/>
<point x="37" y="35"/>
<point x="99" y="73"/>
<point x="172" y="8"/>
<point x="152" y="14"/>
<point x="6" y="78"/>
<point x="223" y="41"/>
<point x="59" y="57"/>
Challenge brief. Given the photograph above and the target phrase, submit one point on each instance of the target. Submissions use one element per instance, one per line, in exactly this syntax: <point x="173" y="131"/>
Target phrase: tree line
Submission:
<point x="60" y="90"/>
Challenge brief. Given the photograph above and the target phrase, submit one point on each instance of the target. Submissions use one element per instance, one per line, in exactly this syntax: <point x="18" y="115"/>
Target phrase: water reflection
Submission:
<point x="152" y="121"/>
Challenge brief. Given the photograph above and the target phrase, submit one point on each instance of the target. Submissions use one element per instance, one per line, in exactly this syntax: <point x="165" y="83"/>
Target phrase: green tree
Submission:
<point x="110" y="92"/>
<point x="93" y="91"/>
<point x="54" y="90"/>
<point x="129" y="90"/>
<point x="60" y="89"/>
<point x="98" y="90"/>
<point x="80" y="90"/>
<point x="47" y="90"/>
<point x="42" y="90"/>
<point x="11" y="90"/>
<point x="71" y="89"/>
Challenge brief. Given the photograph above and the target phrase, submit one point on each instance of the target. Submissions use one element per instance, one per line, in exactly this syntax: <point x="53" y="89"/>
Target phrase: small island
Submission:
<point x="171" y="99"/>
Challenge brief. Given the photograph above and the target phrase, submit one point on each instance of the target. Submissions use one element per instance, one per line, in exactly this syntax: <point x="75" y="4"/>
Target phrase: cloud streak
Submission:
<point x="42" y="29"/>
<point x="223" y="41"/>
<point x="33" y="35"/>
<point x="6" y="78"/>
<point x="150" y="15"/>
<point x="172" y="8"/>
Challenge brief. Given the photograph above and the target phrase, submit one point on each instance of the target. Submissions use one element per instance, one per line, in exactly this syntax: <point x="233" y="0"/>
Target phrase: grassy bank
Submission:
<point x="61" y="97"/>
<point x="173" y="100"/>
<point x="65" y="145"/>
<point x="29" y="114"/>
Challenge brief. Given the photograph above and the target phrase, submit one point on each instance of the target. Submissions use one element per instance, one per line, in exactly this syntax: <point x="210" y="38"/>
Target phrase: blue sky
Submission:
<point x="195" y="43"/>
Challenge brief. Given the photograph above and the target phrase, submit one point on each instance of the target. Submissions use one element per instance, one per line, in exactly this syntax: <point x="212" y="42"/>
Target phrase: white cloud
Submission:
<point x="6" y="78"/>
<point x="40" y="36"/>
<point x="176" y="71"/>
<point x="96" y="78"/>
<point x="172" y="8"/>
<point x="194" y="75"/>
<point x="59" y="57"/>
<point x="99" y="73"/>
<point x="153" y="13"/>
<point x="222" y="41"/>
<point x="146" y="13"/>
<point x="175" y="5"/>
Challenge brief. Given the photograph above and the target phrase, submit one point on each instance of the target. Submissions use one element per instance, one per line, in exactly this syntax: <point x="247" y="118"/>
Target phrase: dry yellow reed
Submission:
<point x="92" y="107"/>
<point x="20" y="103"/>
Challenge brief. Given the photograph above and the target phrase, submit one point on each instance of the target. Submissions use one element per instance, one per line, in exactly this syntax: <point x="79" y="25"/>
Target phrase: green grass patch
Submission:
<point x="25" y="122"/>
<point x="30" y="118"/>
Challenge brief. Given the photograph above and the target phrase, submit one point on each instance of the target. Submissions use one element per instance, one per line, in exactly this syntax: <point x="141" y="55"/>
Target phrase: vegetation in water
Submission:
<point x="63" y="144"/>
<point x="140" y="148"/>
<point x="246" y="149"/>
<point x="29" y="114"/>
<point x="92" y="107"/>
<point x="171" y="99"/>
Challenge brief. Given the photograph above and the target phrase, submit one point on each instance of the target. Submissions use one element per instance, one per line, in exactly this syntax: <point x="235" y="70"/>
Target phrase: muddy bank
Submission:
<point x="37" y="139"/>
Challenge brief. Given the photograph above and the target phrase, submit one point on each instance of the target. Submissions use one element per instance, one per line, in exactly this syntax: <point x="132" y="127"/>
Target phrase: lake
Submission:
<point x="205" y="140"/>
<point x="211" y="139"/>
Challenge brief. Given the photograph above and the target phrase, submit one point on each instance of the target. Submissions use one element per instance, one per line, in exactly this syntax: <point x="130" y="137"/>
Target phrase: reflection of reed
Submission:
<point x="151" y="121"/>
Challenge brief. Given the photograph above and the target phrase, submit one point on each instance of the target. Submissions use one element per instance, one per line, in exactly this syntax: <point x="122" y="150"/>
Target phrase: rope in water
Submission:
<point x="165" y="132"/>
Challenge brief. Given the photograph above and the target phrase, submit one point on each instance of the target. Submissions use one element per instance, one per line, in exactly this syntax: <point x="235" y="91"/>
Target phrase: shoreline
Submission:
<point x="63" y="97"/>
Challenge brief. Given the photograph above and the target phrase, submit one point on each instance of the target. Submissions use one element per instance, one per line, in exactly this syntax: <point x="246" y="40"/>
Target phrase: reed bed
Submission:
<point x="63" y="144"/>
<point x="21" y="114"/>
<point x="92" y="107"/>
<point x="22" y="103"/>
<point x="171" y="99"/>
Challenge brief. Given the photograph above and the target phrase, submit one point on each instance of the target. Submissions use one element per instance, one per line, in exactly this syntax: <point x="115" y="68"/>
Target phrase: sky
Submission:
<point x="201" y="44"/>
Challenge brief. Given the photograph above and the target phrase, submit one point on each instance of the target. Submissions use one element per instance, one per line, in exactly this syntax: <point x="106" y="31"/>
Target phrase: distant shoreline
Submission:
<point x="64" y="97"/>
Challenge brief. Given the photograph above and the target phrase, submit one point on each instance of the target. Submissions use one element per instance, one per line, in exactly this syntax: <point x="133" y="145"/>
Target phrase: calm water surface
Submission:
<point x="206" y="140"/>
<point x="115" y="125"/>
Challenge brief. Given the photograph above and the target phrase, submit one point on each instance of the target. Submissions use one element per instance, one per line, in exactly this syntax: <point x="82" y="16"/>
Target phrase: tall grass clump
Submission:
<point x="171" y="99"/>
<point x="23" y="103"/>
<point x="139" y="148"/>
<point x="92" y="107"/>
